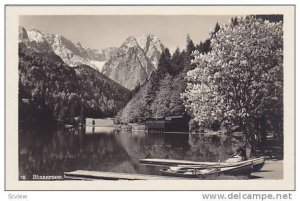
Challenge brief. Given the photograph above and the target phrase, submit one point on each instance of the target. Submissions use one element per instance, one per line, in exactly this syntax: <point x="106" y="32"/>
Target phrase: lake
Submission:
<point x="55" y="151"/>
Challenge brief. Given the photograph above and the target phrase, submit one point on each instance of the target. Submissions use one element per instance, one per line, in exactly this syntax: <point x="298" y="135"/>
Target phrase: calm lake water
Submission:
<point x="55" y="151"/>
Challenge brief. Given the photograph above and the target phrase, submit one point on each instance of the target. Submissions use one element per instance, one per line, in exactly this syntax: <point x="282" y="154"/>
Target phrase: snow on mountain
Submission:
<point x="71" y="53"/>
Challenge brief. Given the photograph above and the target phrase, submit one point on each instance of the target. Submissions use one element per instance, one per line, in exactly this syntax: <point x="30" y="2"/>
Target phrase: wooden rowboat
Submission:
<point x="189" y="172"/>
<point x="257" y="163"/>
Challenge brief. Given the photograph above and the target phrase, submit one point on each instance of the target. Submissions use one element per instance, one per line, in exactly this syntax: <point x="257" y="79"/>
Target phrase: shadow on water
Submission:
<point x="177" y="140"/>
<point x="254" y="177"/>
<point x="265" y="171"/>
<point x="55" y="151"/>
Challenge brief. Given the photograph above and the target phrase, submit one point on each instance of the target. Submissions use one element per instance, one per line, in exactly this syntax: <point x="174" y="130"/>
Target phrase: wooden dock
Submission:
<point x="99" y="175"/>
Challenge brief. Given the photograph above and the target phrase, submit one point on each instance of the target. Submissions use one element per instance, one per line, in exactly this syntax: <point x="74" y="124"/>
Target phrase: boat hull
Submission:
<point x="241" y="170"/>
<point x="257" y="163"/>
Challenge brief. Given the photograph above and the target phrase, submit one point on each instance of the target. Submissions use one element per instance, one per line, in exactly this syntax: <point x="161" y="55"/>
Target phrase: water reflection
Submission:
<point x="99" y="130"/>
<point x="52" y="152"/>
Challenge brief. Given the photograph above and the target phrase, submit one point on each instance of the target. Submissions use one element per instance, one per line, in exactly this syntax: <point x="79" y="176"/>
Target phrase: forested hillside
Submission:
<point x="50" y="90"/>
<point x="161" y="94"/>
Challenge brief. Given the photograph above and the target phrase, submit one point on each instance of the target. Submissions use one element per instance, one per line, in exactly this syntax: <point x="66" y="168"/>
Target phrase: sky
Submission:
<point x="99" y="31"/>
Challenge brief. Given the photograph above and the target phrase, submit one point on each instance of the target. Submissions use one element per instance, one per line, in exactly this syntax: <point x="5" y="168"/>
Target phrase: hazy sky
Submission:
<point x="106" y="31"/>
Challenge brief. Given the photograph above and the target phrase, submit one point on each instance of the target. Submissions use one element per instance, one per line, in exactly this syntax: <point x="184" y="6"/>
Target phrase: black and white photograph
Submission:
<point x="176" y="97"/>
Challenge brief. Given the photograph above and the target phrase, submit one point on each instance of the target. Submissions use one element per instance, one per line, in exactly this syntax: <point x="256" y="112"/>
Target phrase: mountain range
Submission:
<point x="130" y="65"/>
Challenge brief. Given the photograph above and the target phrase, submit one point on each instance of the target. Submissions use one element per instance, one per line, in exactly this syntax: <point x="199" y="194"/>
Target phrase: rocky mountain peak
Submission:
<point x="23" y="36"/>
<point x="132" y="67"/>
<point x="130" y="42"/>
<point x="36" y="35"/>
<point x="78" y="44"/>
<point x="152" y="46"/>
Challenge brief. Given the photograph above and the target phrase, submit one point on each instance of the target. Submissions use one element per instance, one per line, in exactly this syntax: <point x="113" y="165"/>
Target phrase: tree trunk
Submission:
<point x="250" y="144"/>
<point x="263" y="132"/>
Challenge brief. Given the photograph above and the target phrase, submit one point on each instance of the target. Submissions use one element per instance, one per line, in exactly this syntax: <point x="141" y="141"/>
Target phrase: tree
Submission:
<point x="177" y="62"/>
<point x="204" y="47"/>
<point x="164" y="63"/>
<point x="190" y="47"/>
<point x="178" y="87"/>
<point x="161" y="103"/>
<point x="217" y="28"/>
<point x="240" y="80"/>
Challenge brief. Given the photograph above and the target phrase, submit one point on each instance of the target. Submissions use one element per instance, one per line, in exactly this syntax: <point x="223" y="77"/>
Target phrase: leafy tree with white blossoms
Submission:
<point x="240" y="81"/>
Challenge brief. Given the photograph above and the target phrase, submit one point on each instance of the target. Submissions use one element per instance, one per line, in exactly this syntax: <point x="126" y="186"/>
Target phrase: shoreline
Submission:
<point x="273" y="169"/>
